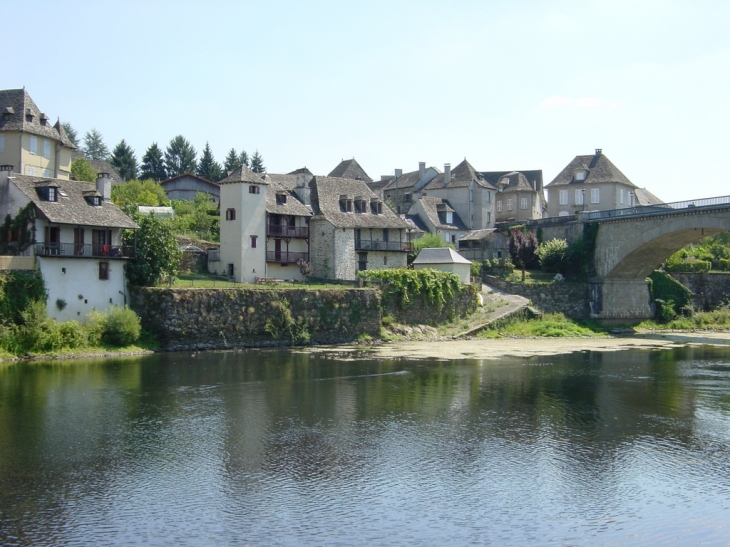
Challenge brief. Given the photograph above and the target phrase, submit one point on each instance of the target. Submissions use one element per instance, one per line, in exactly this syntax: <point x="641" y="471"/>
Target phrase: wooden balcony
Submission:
<point x="89" y="250"/>
<point x="285" y="258"/>
<point x="284" y="230"/>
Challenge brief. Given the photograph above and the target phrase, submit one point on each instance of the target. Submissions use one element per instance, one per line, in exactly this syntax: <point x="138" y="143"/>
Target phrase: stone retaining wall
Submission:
<point x="569" y="298"/>
<point x="421" y="312"/>
<point x="711" y="289"/>
<point x="186" y="319"/>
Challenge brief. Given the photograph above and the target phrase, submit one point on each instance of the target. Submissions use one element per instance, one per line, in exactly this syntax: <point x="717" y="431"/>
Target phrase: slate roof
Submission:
<point x="243" y="174"/>
<point x="406" y="180"/>
<point x="350" y="169"/>
<point x="431" y="206"/>
<point x="479" y="235"/>
<point x="290" y="180"/>
<point x="301" y="171"/>
<point x="292" y="206"/>
<point x="15" y="104"/>
<point x="599" y="169"/>
<point x="533" y="175"/>
<point x="461" y="177"/>
<point x="191" y="175"/>
<point x="101" y="166"/>
<point x="440" y="255"/>
<point x="72" y="208"/>
<point x="514" y="182"/>
<point x="644" y="197"/>
<point x="326" y="192"/>
<point x="416" y="224"/>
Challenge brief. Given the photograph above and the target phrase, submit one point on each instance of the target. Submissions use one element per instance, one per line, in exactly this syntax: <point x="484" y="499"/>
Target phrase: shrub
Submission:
<point x="665" y="310"/>
<point x="121" y="327"/>
<point x="553" y="255"/>
<point x="688" y="266"/>
<point x="476" y="269"/>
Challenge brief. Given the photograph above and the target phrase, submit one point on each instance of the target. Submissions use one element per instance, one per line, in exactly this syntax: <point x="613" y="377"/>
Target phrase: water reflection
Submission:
<point x="278" y="447"/>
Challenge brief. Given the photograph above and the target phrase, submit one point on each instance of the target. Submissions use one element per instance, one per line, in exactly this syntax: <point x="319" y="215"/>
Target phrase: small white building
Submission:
<point x="444" y="259"/>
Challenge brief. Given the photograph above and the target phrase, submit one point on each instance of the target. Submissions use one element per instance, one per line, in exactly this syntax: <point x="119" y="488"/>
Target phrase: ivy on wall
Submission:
<point x="17" y="234"/>
<point x="402" y="285"/>
<point x="18" y="290"/>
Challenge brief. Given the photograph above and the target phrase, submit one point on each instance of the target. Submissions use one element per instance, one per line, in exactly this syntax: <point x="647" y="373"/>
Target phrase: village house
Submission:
<point x="520" y="196"/>
<point x="78" y="240"/>
<point x="402" y="189"/>
<point x="28" y="140"/>
<point x="352" y="229"/>
<point x="264" y="229"/>
<point x="187" y="186"/>
<point x="438" y="217"/>
<point x="593" y="183"/>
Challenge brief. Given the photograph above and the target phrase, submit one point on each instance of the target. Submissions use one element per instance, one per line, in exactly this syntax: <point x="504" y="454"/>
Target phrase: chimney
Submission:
<point x="398" y="173"/>
<point x="599" y="151"/>
<point x="421" y="170"/>
<point x="8" y="168"/>
<point x="104" y="186"/>
<point x="447" y="174"/>
<point x="5" y="172"/>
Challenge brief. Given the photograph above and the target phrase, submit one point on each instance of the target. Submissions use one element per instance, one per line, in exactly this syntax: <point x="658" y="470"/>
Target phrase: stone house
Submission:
<point x="520" y="195"/>
<point x="187" y="186"/>
<point x="594" y="183"/>
<point x="264" y="229"/>
<point x="29" y="143"/>
<point x="438" y="217"/>
<point x="78" y="240"/>
<point x="403" y="189"/>
<point x="352" y="229"/>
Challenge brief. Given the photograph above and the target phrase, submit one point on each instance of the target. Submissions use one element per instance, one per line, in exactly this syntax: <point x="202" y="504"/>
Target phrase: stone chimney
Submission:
<point x="8" y="168"/>
<point x="421" y="170"/>
<point x="447" y="174"/>
<point x="5" y="172"/>
<point x="599" y="151"/>
<point x="104" y="186"/>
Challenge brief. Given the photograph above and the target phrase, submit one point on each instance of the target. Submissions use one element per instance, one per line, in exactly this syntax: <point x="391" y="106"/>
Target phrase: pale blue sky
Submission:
<point x="508" y="85"/>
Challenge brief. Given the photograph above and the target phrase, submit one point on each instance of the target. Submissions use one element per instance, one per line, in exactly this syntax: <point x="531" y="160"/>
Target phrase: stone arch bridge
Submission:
<point x="631" y="243"/>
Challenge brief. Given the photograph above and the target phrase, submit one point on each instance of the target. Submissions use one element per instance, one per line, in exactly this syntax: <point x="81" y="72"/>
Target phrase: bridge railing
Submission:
<point x="659" y="208"/>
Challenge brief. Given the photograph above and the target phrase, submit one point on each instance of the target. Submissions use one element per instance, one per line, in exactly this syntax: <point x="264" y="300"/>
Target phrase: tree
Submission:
<point x="139" y="192"/>
<point x="82" y="170"/>
<point x="124" y="161"/>
<point x="208" y="168"/>
<point x="257" y="163"/>
<point x="94" y="147"/>
<point x="243" y="158"/>
<point x="153" y="165"/>
<point x="553" y="254"/>
<point x="428" y="240"/>
<point x="71" y="133"/>
<point x="232" y="162"/>
<point x="180" y="157"/>
<point x="522" y="248"/>
<point x="158" y="254"/>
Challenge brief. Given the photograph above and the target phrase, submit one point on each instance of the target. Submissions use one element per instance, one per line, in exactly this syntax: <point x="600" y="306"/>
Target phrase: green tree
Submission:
<point x="232" y="162"/>
<point x="158" y="254"/>
<point x="208" y="168"/>
<point x="553" y="255"/>
<point x="94" y="147"/>
<point x="82" y="170"/>
<point x="153" y="164"/>
<point x="71" y="133"/>
<point x="180" y="157"/>
<point x="124" y="161"/>
<point x="522" y="248"/>
<point x="257" y="163"/>
<point x="139" y="192"/>
<point x="243" y="158"/>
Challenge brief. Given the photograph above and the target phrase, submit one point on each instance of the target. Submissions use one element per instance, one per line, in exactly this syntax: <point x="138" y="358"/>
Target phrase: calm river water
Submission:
<point x="289" y="448"/>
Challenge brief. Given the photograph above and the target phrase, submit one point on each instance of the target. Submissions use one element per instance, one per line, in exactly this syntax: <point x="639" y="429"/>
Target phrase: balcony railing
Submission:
<point x="283" y="230"/>
<point x="285" y="258"/>
<point x="80" y="250"/>
<point x="371" y="245"/>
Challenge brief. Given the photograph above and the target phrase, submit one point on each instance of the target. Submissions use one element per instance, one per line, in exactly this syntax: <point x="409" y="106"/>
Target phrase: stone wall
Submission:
<point x="711" y="289"/>
<point x="185" y="319"/>
<point x="422" y="312"/>
<point x="571" y="299"/>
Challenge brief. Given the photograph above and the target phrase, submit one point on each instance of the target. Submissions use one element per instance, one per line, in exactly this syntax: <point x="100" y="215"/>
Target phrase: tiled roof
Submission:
<point x="598" y="167"/>
<point x="243" y="174"/>
<point x="461" y="176"/>
<point x="479" y="235"/>
<point x="292" y="206"/>
<point x="350" y="169"/>
<point x="326" y="192"/>
<point x="644" y="197"/>
<point x="440" y="255"/>
<point x="16" y="105"/>
<point x="431" y="206"/>
<point x="72" y="208"/>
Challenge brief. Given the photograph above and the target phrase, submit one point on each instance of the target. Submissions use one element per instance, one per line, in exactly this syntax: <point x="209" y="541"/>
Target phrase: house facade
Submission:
<point x="78" y="240"/>
<point x="403" y="189"/>
<point x="439" y="217"/>
<point x="594" y="183"/>
<point x="29" y="142"/>
<point x="518" y="197"/>
<point x="187" y="186"/>
<point x="352" y="229"/>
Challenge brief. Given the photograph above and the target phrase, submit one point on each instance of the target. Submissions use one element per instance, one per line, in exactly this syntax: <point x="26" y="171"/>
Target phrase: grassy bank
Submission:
<point x="551" y="325"/>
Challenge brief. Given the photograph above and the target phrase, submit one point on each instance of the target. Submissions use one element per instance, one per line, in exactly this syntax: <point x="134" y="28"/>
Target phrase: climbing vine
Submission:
<point x="402" y="285"/>
<point x="17" y="234"/>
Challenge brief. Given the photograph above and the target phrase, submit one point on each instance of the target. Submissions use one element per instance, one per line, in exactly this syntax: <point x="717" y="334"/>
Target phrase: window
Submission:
<point x="509" y="204"/>
<point x="281" y="199"/>
<point x="621" y="196"/>
<point x="49" y="194"/>
<point x="579" y="197"/>
<point x="595" y="195"/>
<point x="104" y="271"/>
<point x="2" y="143"/>
<point x="46" y="148"/>
<point x="499" y="206"/>
<point x="253" y="241"/>
<point x="231" y="270"/>
<point x="563" y="197"/>
<point x="489" y="219"/>
<point x="362" y="261"/>
<point x="343" y="204"/>
<point x="254" y="189"/>
<point x="231" y="213"/>
<point x="580" y="175"/>
<point x="33" y="144"/>
<point x="29" y="170"/>
<point x="523" y="203"/>
<point x="349" y="206"/>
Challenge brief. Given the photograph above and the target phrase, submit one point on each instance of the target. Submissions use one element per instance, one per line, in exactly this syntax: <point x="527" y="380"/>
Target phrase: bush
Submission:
<point x="553" y="255"/>
<point x="665" y="310"/>
<point x="121" y="327"/>
<point x="476" y="269"/>
<point x="688" y="266"/>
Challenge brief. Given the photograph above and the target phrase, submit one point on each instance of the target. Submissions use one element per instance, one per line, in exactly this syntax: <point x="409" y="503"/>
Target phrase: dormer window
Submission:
<point x="343" y="204"/>
<point x="49" y="193"/>
<point x="376" y="207"/>
<point x="580" y="176"/>
<point x="29" y="116"/>
<point x="44" y="119"/>
<point x="360" y="205"/>
<point x="281" y="198"/>
<point x="94" y="200"/>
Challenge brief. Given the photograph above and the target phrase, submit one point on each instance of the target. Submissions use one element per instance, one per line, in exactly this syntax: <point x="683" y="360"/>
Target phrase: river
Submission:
<point x="297" y="448"/>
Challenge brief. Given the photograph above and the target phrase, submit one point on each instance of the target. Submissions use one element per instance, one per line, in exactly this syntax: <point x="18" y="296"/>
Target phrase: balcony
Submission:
<point x="372" y="245"/>
<point x="282" y="257"/>
<point x="80" y="250"/>
<point x="472" y="254"/>
<point x="284" y="230"/>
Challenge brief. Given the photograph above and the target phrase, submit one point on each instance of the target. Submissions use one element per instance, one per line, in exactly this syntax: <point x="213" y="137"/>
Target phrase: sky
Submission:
<point x="508" y="85"/>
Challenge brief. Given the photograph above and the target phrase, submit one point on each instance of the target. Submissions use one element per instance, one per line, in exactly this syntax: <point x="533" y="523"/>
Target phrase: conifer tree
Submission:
<point x="232" y="162"/>
<point x="71" y="133"/>
<point x="94" y="147"/>
<point x="208" y="168"/>
<point x="153" y="165"/>
<point x="244" y="159"/>
<point x="257" y="163"/>
<point x="180" y="157"/>
<point x="124" y="161"/>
